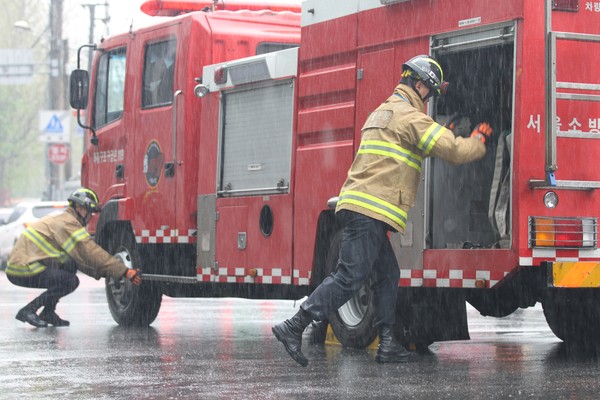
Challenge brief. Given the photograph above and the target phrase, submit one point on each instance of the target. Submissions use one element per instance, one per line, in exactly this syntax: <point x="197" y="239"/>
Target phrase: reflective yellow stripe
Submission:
<point x="94" y="194"/>
<point x="390" y="150"/>
<point x="429" y="139"/>
<point x="25" y="270"/>
<point x="43" y="244"/>
<point x="76" y="237"/>
<point x="375" y="204"/>
<point x="431" y="60"/>
<point x="576" y="274"/>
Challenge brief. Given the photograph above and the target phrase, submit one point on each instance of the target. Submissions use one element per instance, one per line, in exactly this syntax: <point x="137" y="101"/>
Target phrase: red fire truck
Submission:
<point x="223" y="180"/>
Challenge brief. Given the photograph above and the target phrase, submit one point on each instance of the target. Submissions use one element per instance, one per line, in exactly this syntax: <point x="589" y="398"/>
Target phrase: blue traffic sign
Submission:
<point x="54" y="126"/>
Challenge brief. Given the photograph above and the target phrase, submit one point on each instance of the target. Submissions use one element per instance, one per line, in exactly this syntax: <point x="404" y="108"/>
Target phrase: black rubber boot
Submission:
<point x="50" y="316"/>
<point x="27" y="314"/>
<point x="389" y="350"/>
<point x="289" y="332"/>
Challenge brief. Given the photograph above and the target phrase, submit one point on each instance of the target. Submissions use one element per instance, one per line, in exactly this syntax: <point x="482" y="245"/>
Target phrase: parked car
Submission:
<point x="22" y="215"/>
<point x="4" y="214"/>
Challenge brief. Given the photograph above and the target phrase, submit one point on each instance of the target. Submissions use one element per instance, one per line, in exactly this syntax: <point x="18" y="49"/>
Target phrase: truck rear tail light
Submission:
<point x="220" y="76"/>
<point x="566" y="233"/>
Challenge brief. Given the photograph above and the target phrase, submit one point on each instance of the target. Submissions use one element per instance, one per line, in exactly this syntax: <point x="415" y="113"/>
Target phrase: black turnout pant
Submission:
<point x="58" y="280"/>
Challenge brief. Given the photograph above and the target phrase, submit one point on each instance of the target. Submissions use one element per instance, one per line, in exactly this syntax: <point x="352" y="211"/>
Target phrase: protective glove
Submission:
<point x="482" y="131"/>
<point x="134" y="276"/>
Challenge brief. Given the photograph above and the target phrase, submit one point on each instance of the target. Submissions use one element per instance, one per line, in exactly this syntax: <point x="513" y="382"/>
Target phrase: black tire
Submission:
<point x="352" y="323"/>
<point x="573" y="315"/>
<point x="130" y="305"/>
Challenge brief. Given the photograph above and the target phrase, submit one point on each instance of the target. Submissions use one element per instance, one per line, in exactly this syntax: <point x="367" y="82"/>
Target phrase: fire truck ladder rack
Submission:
<point x="551" y="96"/>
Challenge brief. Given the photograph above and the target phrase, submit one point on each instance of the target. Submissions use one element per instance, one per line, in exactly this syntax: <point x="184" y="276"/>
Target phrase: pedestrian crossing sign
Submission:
<point x="54" y="126"/>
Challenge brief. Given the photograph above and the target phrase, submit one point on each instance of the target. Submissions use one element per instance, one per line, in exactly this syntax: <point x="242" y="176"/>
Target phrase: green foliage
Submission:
<point x="22" y="156"/>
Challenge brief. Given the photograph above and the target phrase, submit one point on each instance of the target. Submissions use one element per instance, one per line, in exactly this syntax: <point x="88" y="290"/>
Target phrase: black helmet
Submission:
<point x="86" y="198"/>
<point x="429" y="71"/>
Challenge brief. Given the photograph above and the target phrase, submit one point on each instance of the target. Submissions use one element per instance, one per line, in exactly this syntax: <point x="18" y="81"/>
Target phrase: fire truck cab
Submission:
<point x="225" y="184"/>
<point x="145" y="158"/>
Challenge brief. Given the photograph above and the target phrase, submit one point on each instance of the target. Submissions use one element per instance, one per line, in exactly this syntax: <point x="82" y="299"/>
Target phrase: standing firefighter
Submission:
<point x="52" y="249"/>
<point x="380" y="189"/>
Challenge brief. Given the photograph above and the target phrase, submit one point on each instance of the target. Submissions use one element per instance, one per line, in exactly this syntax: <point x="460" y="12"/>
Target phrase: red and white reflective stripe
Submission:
<point x="165" y="236"/>
<point x="455" y="278"/>
<point x="540" y="255"/>
<point x="412" y="278"/>
<point x="269" y="276"/>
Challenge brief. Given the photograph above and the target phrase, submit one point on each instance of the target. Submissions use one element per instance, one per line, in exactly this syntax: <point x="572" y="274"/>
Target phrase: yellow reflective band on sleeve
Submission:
<point x="43" y="244"/>
<point x="430" y="137"/>
<point x="25" y="270"/>
<point x="390" y="150"/>
<point x="375" y="204"/>
<point x="76" y="237"/>
<point x="576" y="274"/>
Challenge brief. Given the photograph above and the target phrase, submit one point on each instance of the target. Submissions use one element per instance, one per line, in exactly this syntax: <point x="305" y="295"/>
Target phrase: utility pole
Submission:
<point x="106" y="19"/>
<point x="57" y="57"/>
<point x="56" y="86"/>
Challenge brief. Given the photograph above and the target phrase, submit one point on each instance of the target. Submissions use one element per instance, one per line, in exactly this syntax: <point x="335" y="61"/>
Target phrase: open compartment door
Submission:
<point x="468" y="206"/>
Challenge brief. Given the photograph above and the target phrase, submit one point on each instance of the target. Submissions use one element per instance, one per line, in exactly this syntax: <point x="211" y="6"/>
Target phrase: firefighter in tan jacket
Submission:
<point x="52" y="249"/>
<point x="380" y="189"/>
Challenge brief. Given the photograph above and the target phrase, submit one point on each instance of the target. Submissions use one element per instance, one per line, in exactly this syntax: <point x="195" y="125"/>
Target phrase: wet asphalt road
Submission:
<point x="224" y="349"/>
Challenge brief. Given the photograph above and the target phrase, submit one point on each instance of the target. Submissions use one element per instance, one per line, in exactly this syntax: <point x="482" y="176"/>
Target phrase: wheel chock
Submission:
<point x="332" y="340"/>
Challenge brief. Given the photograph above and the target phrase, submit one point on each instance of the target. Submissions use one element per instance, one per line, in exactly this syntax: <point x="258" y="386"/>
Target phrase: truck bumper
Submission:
<point x="573" y="274"/>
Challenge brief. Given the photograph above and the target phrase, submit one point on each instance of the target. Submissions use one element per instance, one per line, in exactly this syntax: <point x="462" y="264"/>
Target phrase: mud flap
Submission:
<point x="425" y="316"/>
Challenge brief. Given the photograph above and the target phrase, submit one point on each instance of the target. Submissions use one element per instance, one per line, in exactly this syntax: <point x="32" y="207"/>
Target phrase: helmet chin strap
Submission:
<point x="429" y="93"/>
<point x="82" y="219"/>
<point x="417" y="92"/>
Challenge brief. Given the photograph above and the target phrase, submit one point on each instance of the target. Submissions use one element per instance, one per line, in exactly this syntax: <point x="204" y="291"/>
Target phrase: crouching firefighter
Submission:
<point x="51" y="250"/>
<point x="380" y="189"/>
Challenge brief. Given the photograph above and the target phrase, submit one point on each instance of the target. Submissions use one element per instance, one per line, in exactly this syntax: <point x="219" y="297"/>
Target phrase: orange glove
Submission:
<point x="134" y="276"/>
<point x="482" y="132"/>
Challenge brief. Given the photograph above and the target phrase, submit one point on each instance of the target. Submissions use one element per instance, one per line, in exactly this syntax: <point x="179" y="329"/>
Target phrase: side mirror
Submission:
<point x="79" y="87"/>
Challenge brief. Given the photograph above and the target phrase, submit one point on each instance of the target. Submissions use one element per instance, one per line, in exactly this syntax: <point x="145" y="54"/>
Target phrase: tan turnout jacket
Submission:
<point x="59" y="236"/>
<point x="383" y="180"/>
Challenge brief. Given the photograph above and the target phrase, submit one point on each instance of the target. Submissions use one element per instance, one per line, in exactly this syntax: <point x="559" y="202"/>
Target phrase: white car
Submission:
<point x="4" y="214"/>
<point x="22" y="215"/>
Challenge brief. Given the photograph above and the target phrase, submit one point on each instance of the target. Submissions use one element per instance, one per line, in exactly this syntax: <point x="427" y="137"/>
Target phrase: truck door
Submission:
<point x="254" y="204"/>
<point x="156" y="130"/>
<point x="469" y="204"/>
<point x="253" y="230"/>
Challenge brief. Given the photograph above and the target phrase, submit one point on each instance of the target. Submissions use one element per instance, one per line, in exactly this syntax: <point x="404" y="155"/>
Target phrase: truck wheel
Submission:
<point x="573" y="314"/>
<point x="130" y="305"/>
<point x="352" y="323"/>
